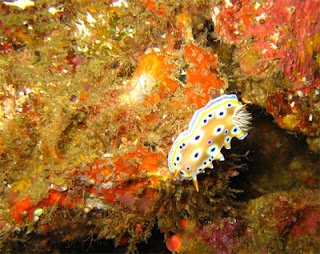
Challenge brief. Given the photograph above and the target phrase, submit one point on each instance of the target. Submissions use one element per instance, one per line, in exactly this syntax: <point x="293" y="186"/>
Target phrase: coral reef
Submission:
<point x="278" y="45"/>
<point x="220" y="237"/>
<point x="93" y="95"/>
<point x="287" y="222"/>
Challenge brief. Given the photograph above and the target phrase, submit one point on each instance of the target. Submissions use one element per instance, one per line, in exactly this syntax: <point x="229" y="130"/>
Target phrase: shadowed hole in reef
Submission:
<point x="271" y="151"/>
<point x="154" y="244"/>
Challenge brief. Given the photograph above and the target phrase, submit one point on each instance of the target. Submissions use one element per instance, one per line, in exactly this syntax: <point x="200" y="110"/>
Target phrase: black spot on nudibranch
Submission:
<point x="196" y="155"/>
<point x="218" y="129"/>
<point x="235" y="129"/>
<point x="181" y="172"/>
<point x="204" y="163"/>
<point x="210" y="115"/>
<point x="188" y="168"/>
<point x="229" y="105"/>
<point x="178" y="158"/>
<point x="200" y="169"/>
<point x="175" y="164"/>
<point x="205" y="121"/>
<point x="183" y="144"/>
<point x="227" y="139"/>
<point x="226" y="132"/>
<point x="213" y="149"/>
<point x="209" y="142"/>
<point x="197" y="137"/>
<point x="221" y="113"/>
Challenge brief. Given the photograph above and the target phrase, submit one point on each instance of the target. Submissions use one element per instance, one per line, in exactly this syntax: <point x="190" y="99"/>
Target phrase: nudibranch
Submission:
<point x="210" y="129"/>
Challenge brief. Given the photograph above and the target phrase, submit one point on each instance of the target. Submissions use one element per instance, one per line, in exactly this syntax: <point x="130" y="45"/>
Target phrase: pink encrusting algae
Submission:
<point x="278" y="45"/>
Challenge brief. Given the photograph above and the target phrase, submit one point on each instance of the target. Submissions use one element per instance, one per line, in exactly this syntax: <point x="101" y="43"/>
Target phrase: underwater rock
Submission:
<point x="220" y="237"/>
<point x="277" y="48"/>
<point x="92" y="138"/>
<point x="284" y="221"/>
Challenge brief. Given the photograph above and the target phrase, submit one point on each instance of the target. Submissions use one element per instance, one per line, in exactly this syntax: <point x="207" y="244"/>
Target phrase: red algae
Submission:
<point x="174" y="243"/>
<point x="201" y="71"/>
<point x="20" y="206"/>
<point x="282" y="29"/>
<point x="276" y="41"/>
<point x="307" y="223"/>
<point x="286" y="215"/>
<point x="289" y="113"/>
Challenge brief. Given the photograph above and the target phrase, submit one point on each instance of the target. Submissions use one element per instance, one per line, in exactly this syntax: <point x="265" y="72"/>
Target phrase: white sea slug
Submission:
<point x="211" y="128"/>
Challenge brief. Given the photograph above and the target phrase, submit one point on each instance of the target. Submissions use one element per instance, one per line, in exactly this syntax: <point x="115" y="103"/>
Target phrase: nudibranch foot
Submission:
<point x="210" y="129"/>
